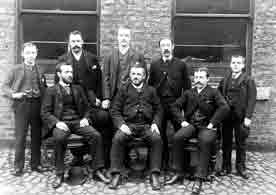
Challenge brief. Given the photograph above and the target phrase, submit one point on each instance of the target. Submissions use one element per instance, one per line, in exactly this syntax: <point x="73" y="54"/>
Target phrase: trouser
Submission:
<point x="91" y="135"/>
<point x="230" y="124"/>
<point x="27" y="112"/>
<point x="101" y="120"/>
<point x="118" y="149"/>
<point x="206" y="137"/>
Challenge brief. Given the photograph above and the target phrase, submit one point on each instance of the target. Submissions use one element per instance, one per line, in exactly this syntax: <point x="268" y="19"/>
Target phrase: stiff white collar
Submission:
<point x="77" y="55"/>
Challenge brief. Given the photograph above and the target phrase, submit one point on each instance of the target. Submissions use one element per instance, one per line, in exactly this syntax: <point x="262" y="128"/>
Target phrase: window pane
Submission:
<point x="210" y="31"/>
<point x="213" y="6"/>
<point x="42" y="27"/>
<point x="74" y="5"/>
<point x="54" y="50"/>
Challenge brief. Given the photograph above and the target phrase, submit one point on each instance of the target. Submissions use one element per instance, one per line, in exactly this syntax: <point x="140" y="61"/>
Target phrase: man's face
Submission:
<point x="237" y="64"/>
<point x="29" y="55"/>
<point x="166" y="47"/>
<point x="124" y="37"/>
<point x="75" y="43"/>
<point x="66" y="74"/>
<point x="137" y="75"/>
<point x="200" y="79"/>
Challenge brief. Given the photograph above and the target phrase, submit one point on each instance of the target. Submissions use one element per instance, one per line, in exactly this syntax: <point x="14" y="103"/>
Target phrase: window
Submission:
<point x="209" y="32"/>
<point x="48" y="22"/>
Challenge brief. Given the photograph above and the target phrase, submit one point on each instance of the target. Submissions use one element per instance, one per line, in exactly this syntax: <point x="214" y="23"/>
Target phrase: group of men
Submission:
<point x="123" y="101"/>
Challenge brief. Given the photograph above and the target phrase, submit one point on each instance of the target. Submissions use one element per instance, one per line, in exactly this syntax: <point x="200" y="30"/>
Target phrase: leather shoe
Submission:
<point x="243" y="174"/>
<point x="155" y="182"/>
<point x="17" y="172"/>
<point x="224" y="172"/>
<point x="174" y="179"/>
<point x="39" y="169"/>
<point x="197" y="187"/>
<point x="57" y="181"/>
<point x="114" y="181"/>
<point x="100" y="176"/>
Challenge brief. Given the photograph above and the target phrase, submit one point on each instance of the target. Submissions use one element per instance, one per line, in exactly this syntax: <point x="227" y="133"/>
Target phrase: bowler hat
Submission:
<point x="76" y="176"/>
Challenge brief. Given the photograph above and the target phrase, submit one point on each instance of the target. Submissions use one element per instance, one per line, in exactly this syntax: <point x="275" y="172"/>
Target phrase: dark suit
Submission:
<point x="138" y="110"/>
<point x="26" y="112"/>
<point x="240" y="94"/>
<point x="200" y="109"/>
<point x="111" y="68"/>
<point x="170" y="79"/>
<point x="52" y="112"/>
<point x="87" y="73"/>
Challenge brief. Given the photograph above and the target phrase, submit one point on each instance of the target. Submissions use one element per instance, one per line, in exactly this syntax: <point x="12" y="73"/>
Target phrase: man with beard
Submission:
<point x="239" y="90"/>
<point x="65" y="111"/>
<point x="204" y="108"/>
<point x="24" y="85"/>
<point x="116" y="66"/>
<point x="136" y="112"/>
<point x="169" y="76"/>
<point x="87" y="74"/>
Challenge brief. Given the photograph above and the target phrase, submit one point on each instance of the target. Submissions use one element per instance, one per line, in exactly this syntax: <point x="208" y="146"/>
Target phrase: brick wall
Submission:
<point x="150" y="20"/>
<point x="264" y="71"/>
<point x="7" y="59"/>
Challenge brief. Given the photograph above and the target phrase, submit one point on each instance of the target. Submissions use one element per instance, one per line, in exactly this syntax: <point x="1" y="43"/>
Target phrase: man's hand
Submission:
<point x="62" y="126"/>
<point x="154" y="128"/>
<point x="18" y="95"/>
<point x="84" y="122"/>
<point x="98" y="102"/>
<point x="185" y="124"/>
<point x="125" y="129"/>
<point x="247" y="122"/>
<point x="105" y="104"/>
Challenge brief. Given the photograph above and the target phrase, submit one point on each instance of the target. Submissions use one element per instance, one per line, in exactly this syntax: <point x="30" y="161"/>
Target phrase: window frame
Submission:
<point x="20" y="39"/>
<point x="249" y="27"/>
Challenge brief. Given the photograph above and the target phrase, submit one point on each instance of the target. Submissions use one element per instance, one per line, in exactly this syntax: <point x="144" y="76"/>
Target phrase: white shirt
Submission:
<point x="123" y="50"/>
<point x="77" y="55"/>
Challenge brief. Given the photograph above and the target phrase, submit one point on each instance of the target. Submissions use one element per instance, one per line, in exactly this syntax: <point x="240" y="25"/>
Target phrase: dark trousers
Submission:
<point x="118" y="149"/>
<point x="27" y="113"/>
<point x="101" y="120"/>
<point x="230" y="124"/>
<point x="93" y="138"/>
<point x="206" y="139"/>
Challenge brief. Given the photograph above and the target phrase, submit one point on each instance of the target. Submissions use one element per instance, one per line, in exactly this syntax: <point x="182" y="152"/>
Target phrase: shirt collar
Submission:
<point x="235" y="76"/>
<point x="77" y="55"/>
<point x="64" y="84"/>
<point x="138" y="87"/>
<point x="123" y="50"/>
<point x="167" y="59"/>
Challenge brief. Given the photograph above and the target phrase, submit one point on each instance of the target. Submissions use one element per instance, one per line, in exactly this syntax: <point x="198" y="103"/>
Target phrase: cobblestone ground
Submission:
<point x="262" y="169"/>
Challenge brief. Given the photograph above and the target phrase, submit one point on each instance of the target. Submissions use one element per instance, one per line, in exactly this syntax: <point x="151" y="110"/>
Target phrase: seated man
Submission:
<point x="204" y="108"/>
<point x="136" y="112"/>
<point x="65" y="111"/>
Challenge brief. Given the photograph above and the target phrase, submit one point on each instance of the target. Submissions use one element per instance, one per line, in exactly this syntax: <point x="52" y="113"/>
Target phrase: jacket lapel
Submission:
<point x="58" y="101"/>
<point x="241" y="78"/>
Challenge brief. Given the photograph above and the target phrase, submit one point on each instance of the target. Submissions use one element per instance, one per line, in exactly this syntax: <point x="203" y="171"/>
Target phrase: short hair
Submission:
<point x="203" y="69"/>
<point x="124" y="27"/>
<point x="75" y="32"/>
<point x="28" y="44"/>
<point x="164" y="38"/>
<point x="60" y="64"/>
<point x="238" y="56"/>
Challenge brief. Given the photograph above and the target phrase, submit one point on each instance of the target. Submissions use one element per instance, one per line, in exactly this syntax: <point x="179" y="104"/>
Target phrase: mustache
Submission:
<point x="166" y="51"/>
<point x="76" y="47"/>
<point x="198" y="82"/>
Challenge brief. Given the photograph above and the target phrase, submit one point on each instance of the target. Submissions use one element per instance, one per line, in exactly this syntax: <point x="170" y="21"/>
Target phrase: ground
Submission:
<point x="261" y="165"/>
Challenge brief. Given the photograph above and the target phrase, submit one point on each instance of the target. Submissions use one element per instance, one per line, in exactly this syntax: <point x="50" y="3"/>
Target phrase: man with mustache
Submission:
<point x="169" y="75"/>
<point x="204" y="108"/>
<point x="65" y="111"/>
<point x="136" y="112"/>
<point x="87" y="73"/>
<point x="25" y="85"/>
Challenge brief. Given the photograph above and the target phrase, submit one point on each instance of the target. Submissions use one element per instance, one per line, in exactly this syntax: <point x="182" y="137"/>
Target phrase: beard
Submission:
<point x="67" y="80"/>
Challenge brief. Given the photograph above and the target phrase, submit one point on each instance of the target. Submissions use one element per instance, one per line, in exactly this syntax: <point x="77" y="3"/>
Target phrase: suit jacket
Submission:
<point x="91" y="80"/>
<point x="209" y="102"/>
<point x="177" y="74"/>
<point x="14" y="80"/>
<point x="128" y="103"/>
<point x="247" y="97"/>
<point x="111" y="68"/>
<point x="52" y="106"/>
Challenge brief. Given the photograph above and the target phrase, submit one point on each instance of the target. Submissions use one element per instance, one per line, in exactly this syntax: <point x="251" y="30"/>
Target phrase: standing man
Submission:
<point x="25" y="86"/>
<point x="65" y="111"/>
<point x="239" y="90"/>
<point x="204" y="108"/>
<point x="169" y="76"/>
<point x="136" y="112"/>
<point x="87" y="73"/>
<point x="116" y="66"/>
